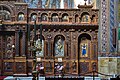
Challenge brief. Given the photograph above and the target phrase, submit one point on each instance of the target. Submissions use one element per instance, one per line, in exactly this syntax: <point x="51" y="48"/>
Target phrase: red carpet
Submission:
<point x="2" y="77"/>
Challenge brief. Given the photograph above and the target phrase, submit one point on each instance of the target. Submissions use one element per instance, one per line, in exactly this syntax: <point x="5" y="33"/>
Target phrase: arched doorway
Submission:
<point x="84" y="54"/>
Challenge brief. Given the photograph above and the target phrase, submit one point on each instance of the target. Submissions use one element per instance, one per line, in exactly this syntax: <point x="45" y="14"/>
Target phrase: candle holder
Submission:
<point x="34" y="46"/>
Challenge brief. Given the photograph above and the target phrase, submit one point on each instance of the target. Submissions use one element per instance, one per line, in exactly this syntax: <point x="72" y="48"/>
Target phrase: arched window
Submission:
<point x="65" y="18"/>
<point x="85" y="18"/>
<point x="55" y="18"/>
<point x="33" y="17"/>
<point x="5" y="13"/>
<point x="20" y="17"/>
<point x="44" y="17"/>
<point x="59" y="46"/>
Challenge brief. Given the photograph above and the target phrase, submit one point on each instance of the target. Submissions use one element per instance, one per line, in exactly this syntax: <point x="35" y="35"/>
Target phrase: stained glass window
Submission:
<point x="50" y="3"/>
<point x="32" y="3"/>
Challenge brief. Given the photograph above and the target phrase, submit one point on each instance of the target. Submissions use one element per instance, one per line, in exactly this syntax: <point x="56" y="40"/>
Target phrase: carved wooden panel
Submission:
<point x="48" y="67"/>
<point x="0" y="46"/>
<point x="67" y="68"/>
<point x="95" y="51"/>
<point x="74" y="67"/>
<point x="20" y="67"/>
<point x="8" y="66"/>
<point x="9" y="47"/>
<point x="84" y="67"/>
<point x="29" y="67"/>
<point x="3" y="43"/>
<point x="0" y="67"/>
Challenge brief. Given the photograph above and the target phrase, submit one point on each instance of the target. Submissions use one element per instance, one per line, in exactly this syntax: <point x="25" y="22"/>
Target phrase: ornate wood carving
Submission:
<point x="29" y="67"/>
<point x="67" y="68"/>
<point x="84" y="67"/>
<point x="9" y="47"/>
<point x="48" y="67"/>
<point x="64" y="24"/>
<point x="17" y="41"/>
<point x="0" y="66"/>
<point x="0" y="46"/>
<point x="8" y="66"/>
<point x="74" y="67"/>
<point x="20" y="67"/>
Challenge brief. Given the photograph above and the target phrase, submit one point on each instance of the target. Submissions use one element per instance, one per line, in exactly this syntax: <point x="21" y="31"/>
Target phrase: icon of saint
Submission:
<point x="84" y="49"/>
